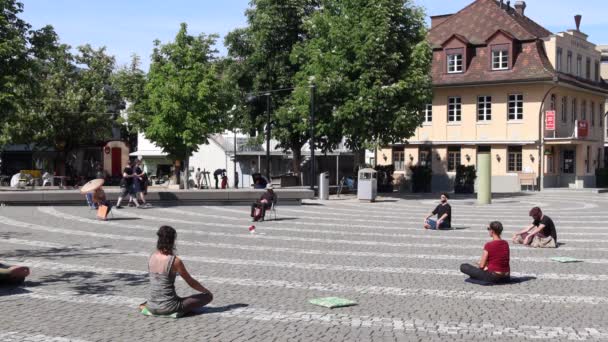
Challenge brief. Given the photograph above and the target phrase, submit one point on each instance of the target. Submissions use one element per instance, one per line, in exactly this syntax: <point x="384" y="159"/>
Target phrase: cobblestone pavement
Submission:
<point x="89" y="276"/>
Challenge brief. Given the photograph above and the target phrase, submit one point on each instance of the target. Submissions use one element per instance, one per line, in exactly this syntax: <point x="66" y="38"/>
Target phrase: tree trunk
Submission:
<point x="296" y="162"/>
<point x="177" y="167"/>
<point x="186" y="173"/>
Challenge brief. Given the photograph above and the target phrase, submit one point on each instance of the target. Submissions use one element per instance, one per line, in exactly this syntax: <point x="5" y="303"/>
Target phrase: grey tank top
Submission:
<point x="163" y="299"/>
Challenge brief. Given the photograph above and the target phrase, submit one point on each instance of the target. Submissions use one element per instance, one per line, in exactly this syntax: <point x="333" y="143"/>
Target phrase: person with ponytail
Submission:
<point x="163" y="267"/>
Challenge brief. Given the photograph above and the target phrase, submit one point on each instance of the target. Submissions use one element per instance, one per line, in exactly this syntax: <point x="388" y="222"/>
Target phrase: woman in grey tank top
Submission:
<point x="163" y="266"/>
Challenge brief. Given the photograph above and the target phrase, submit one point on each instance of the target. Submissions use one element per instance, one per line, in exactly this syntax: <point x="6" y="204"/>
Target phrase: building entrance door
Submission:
<point x="569" y="162"/>
<point x="116" y="161"/>
<point x="568" y="167"/>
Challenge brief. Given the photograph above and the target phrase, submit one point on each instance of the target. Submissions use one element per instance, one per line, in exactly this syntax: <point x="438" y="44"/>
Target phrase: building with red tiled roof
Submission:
<point x="506" y="85"/>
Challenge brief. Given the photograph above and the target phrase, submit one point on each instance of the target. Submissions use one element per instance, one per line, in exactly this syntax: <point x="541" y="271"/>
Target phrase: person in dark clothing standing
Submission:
<point x="444" y="215"/>
<point x="540" y="234"/>
<point x="216" y="174"/>
<point x="126" y="186"/>
<point x="265" y="202"/>
<point x="493" y="267"/>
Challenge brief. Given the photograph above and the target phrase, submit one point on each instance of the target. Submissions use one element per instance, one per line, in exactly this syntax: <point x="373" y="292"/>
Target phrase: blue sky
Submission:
<point x="130" y="26"/>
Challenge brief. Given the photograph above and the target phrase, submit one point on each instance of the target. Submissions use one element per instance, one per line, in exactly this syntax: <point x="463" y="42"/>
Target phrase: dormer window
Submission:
<point x="500" y="50"/>
<point x="455" y="63"/>
<point x="500" y="59"/>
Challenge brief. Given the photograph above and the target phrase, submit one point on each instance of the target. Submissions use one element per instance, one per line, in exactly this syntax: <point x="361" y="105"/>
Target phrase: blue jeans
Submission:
<point x="433" y="224"/>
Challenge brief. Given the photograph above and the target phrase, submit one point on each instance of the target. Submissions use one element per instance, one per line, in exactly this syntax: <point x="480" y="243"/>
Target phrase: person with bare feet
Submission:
<point x="163" y="267"/>
<point x="13" y="275"/>
<point x="444" y="215"/>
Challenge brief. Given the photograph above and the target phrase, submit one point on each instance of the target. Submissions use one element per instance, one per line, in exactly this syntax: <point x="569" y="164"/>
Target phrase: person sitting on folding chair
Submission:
<point x="258" y="209"/>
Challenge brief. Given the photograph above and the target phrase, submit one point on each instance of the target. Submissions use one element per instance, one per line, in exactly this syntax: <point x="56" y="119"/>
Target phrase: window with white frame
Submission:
<point x="601" y="114"/>
<point x="558" y="60"/>
<point x="569" y="62"/>
<point x="514" y="159"/>
<point x="583" y="110"/>
<point x="399" y="160"/>
<point x="592" y="114"/>
<point x="484" y="108"/>
<point x="516" y="107"/>
<point x="588" y="68"/>
<point x="455" y="63"/>
<point x="574" y="113"/>
<point x="428" y="113"/>
<point x="500" y="59"/>
<point x="454" y="109"/>
<point x="579" y="66"/>
<point x="564" y="108"/>
<point x="597" y="71"/>
<point x="453" y="158"/>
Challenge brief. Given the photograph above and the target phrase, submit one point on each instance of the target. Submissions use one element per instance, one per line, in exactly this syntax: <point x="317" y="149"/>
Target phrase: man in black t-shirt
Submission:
<point x="126" y="186"/>
<point x="444" y="215"/>
<point x="541" y="233"/>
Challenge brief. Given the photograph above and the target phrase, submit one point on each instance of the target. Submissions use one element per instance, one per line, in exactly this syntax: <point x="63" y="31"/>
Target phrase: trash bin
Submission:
<point x="324" y="186"/>
<point x="368" y="185"/>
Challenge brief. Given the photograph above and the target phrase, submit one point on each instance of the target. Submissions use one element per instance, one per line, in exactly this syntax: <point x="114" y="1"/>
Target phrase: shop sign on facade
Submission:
<point x="550" y="120"/>
<point x="582" y="128"/>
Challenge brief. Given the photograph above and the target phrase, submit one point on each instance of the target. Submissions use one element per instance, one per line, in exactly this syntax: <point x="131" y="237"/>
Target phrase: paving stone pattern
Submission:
<point x="89" y="276"/>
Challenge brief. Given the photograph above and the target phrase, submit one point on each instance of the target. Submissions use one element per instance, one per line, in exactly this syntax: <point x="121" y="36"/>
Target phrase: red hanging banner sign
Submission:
<point x="550" y="120"/>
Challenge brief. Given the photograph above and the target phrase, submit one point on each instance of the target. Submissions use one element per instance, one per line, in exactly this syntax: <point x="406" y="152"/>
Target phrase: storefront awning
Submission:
<point x="567" y="141"/>
<point x="149" y="153"/>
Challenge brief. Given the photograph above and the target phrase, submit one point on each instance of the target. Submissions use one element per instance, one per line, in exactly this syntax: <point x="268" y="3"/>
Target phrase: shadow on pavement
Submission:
<point x="57" y="253"/>
<point x="216" y="309"/>
<point x="93" y="282"/>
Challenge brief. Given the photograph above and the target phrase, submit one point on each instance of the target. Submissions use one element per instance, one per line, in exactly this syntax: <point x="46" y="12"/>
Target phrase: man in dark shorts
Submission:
<point x="126" y="186"/>
<point x="444" y="215"/>
<point x="540" y="234"/>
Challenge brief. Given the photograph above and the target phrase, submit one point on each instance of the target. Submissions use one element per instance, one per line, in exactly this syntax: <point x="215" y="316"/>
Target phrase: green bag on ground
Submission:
<point x="565" y="259"/>
<point x="147" y="312"/>
<point x="332" y="302"/>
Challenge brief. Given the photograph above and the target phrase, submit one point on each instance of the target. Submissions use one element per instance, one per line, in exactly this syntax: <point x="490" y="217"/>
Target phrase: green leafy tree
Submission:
<point x="14" y="64"/>
<point x="184" y="95"/>
<point x="261" y="54"/>
<point x="131" y="83"/>
<point x="49" y="97"/>
<point x="73" y="101"/>
<point x="371" y="63"/>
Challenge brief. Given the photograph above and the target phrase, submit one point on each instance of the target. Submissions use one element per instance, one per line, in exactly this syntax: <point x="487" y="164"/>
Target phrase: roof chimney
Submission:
<point x="520" y="7"/>
<point x="577" y="20"/>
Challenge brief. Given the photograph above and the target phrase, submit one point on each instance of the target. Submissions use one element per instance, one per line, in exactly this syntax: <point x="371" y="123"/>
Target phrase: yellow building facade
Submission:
<point x="493" y="85"/>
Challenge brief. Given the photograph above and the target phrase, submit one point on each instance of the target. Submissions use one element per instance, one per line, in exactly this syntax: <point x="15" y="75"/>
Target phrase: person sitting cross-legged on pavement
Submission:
<point x="13" y="275"/>
<point x="541" y="233"/>
<point x="258" y="209"/>
<point x="163" y="267"/>
<point x="444" y="215"/>
<point x="493" y="267"/>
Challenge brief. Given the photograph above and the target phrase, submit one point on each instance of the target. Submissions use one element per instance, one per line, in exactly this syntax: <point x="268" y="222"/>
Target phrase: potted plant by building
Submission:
<point x="464" y="183"/>
<point x="421" y="178"/>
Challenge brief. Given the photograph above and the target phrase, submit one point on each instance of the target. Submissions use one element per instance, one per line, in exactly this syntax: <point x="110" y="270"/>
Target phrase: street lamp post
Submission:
<point x="312" y="137"/>
<point x="541" y="136"/>
<point x="268" y="136"/>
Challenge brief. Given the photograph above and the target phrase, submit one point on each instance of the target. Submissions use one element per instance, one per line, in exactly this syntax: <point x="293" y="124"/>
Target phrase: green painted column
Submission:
<point x="484" y="178"/>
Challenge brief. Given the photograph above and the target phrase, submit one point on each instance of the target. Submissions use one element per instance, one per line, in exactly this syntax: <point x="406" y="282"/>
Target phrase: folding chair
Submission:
<point x="272" y="211"/>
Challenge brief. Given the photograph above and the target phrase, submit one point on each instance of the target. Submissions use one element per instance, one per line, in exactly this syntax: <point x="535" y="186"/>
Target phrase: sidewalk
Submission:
<point x="287" y="196"/>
